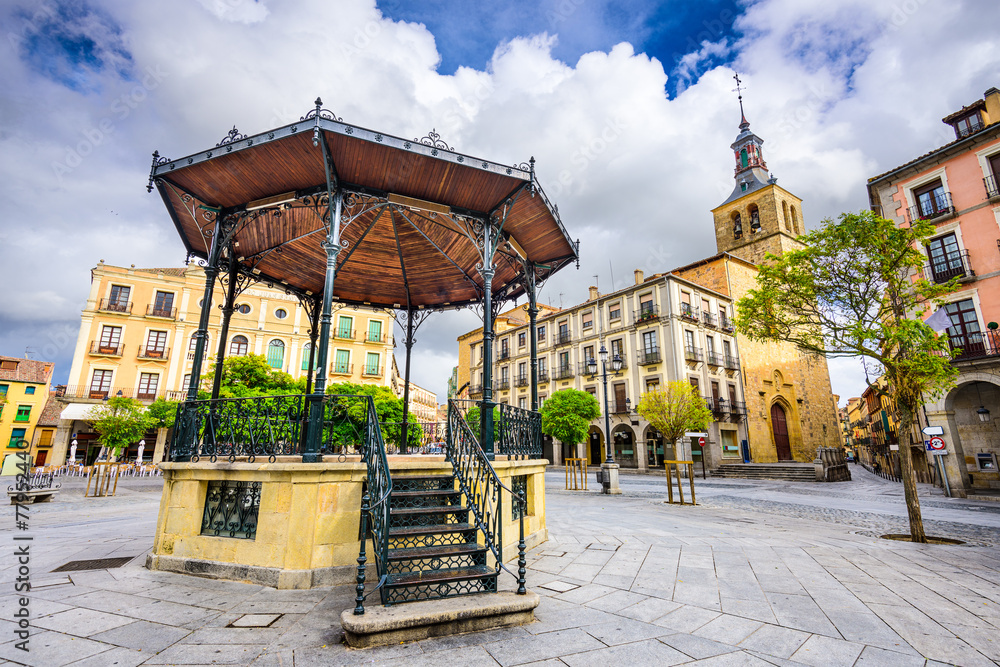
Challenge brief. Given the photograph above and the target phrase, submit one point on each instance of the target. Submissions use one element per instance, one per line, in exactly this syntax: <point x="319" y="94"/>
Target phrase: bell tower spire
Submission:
<point x="758" y="217"/>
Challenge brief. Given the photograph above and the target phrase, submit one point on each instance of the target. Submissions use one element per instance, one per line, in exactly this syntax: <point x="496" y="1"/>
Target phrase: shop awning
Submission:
<point x="76" y="411"/>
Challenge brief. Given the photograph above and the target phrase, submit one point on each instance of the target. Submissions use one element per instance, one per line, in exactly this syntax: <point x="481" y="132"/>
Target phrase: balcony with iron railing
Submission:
<point x="709" y="319"/>
<point x="94" y="392"/>
<point x="647" y="313"/>
<point x="563" y="337"/>
<point x="475" y="390"/>
<point x="543" y="375"/>
<point x="341" y="369"/>
<point x="562" y="372"/>
<point x="952" y="265"/>
<point x="104" y="349"/>
<point x="725" y="323"/>
<point x="115" y="306"/>
<point x="715" y="359"/>
<point x="522" y="380"/>
<point x="504" y="354"/>
<point x="650" y="356"/>
<point x="992" y="189"/>
<point x="379" y="338"/>
<point x="690" y="313"/>
<point x="975" y="345"/>
<point x="974" y="124"/>
<point x="152" y="310"/>
<point x="622" y="407"/>
<point x="737" y="411"/>
<point x="939" y="205"/>
<point x="373" y="371"/>
<point x="718" y="406"/>
<point x="157" y="353"/>
<point x="732" y="363"/>
<point x="503" y="384"/>
<point x="694" y="354"/>
<point x="345" y="334"/>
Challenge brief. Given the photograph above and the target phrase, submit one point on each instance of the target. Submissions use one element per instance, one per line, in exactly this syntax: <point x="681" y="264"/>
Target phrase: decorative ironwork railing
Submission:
<point x="938" y="204"/>
<point x="504" y="353"/>
<point x="91" y="391"/>
<point x="992" y="191"/>
<point x="951" y="265"/>
<point x="562" y="372"/>
<point x="425" y="437"/>
<point x="345" y="334"/>
<point x="975" y="345"/>
<point x="646" y="313"/>
<point x="709" y="319"/>
<point x="371" y="337"/>
<point x="737" y="411"/>
<point x="714" y="359"/>
<point x="647" y="357"/>
<point x="725" y="323"/>
<point x="503" y="384"/>
<point x="732" y="363"/>
<point x="341" y="369"/>
<point x="522" y="380"/>
<point x="689" y="312"/>
<point x="115" y="306"/>
<point x="161" y="353"/>
<point x="266" y="426"/>
<point x="518" y="433"/>
<point x="107" y="349"/>
<point x="693" y="353"/>
<point x="483" y="490"/>
<point x="153" y="310"/>
<point x="562" y="337"/>
<point x="374" y="503"/>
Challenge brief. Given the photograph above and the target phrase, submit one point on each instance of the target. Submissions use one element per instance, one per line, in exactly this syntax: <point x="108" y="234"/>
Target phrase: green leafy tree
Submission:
<point x="251" y="375"/>
<point x="675" y="410"/>
<point x="162" y="413"/>
<point x="120" y="422"/>
<point x="346" y="417"/>
<point x="567" y="414"/>
<point x="852" y="291"/>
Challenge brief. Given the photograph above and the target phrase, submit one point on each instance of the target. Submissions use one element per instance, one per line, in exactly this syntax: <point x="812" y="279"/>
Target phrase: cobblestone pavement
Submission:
<point x="758" y="574"/>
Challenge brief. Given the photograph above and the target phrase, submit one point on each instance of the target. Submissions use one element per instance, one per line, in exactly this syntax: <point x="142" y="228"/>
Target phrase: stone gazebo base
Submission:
<point x="304" y="533"/>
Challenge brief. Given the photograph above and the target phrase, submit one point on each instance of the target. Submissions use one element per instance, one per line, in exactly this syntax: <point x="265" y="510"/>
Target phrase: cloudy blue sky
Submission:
<point x="627" y="106"/>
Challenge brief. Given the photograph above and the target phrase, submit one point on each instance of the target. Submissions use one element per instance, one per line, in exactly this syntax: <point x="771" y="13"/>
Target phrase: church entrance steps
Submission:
<point x="792" y="472"/>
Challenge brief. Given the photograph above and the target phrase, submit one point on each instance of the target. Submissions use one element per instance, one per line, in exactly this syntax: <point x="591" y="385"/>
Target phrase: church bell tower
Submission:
<point x="759" y="217"/>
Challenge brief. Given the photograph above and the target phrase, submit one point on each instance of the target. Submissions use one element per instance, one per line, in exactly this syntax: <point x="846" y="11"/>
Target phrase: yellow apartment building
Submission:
<point x="24" y="392"/>
<point x="137" y="338"/>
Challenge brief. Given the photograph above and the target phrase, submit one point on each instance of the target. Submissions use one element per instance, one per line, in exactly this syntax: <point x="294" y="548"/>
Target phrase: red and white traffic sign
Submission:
<point x="701" y="442"/>
<point x="936" y="445"/>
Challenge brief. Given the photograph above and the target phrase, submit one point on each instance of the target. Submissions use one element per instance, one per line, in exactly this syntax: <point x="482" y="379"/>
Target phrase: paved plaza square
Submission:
<point x="759" y="573"/>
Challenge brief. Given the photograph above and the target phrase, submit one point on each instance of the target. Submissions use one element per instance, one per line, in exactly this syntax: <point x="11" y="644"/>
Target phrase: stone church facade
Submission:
<point x="790" y="403"/>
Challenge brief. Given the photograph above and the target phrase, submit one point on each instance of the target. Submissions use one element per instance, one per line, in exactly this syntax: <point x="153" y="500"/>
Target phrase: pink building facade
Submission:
<point x="956" y="186"/>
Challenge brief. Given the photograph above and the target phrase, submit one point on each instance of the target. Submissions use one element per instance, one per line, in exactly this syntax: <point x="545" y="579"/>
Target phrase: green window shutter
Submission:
<point x="342" y="364"/>
<point x="16" y="436"/>
<point x="306" y="351"/>
<point x="374" y="330"/>
<point x="344" y="326"/>
<point x="276" y="354"/>
<point x="23" y="413"/>
<point x="371" y="363"/>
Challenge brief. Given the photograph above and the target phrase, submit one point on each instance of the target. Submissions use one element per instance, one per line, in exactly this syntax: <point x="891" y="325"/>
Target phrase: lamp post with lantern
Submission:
<point x="609" y="469"/>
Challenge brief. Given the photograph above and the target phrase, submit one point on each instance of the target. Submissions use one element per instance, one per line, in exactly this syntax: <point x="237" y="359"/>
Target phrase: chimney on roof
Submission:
<point x="593" y="293"/>
<point x="992" y="99"/>
<point x="639" y="276"/>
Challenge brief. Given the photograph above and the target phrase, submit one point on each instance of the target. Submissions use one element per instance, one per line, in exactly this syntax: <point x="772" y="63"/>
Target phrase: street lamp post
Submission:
<point x="609" y="469"/>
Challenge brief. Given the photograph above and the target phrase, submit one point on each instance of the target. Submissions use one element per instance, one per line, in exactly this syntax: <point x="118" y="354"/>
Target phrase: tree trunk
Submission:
<point x="909" y="482"/>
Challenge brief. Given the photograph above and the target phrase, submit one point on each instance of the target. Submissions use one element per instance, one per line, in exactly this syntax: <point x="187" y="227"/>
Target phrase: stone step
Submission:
<point x="435" y="584"/>
<point x="796" y="472"/>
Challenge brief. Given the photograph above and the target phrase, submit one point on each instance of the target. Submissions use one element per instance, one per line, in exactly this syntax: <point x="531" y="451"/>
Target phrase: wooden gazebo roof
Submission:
<point x="411" y="212"/>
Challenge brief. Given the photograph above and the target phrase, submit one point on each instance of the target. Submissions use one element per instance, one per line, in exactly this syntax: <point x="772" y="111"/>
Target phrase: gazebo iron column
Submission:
<point x="486" y="269"/>
<point x="414" y="318"/>
<point x="332" y="246"/>
<point x="224" y="228"/>
<point x="227" y="313"/>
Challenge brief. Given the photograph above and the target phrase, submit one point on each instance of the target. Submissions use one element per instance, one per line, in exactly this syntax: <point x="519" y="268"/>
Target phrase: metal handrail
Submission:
<point x="481" y="485"/>
<point x="374" y="514"/>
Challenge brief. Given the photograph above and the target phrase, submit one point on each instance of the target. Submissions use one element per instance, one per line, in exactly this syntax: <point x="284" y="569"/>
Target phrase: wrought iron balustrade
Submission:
<point x="620" y="408"/>
<point x="372" y="371"/>
<point x="518" y="433"/>
<point x="159" y="353"/>
<point x="737" y="411"/>
<point x="952" y="265"/>
<point x="647" y="313"/>
<point x="992" y="190"/>
<point x="341" y="369"/>
<point x="115" y="306"/>
<point x="503" y="384"/>
<point x="345" y="334"/>
<point x="732" y="363"/>
<point x="689" y="312"/>
<point x="563" y="337"/>
<point x="378" y="338"/>
<point x="158" y="311"/>
<point x="715" y="359"/>
<point x="231" y="509"/>
<point x="975" y="345"/>
<point x="106" y="349"/>
<point x="974" y="125"/>
<point x="693" y="353"/>
<point x="483" y="489"/>
<point x="938" y="205"/>
<point x="94" y="392"/>
<point x="719" y="407"/>
<point x="504" y="354"/>
<point x="725" y="323"/>
<point x="562" y="372"/>
<point x="709" y="319"/>
<point x="522" y="380"/>
<point x="475" y="390"/>
<point x="650" y="356"/>
<point x="543" y="375"/>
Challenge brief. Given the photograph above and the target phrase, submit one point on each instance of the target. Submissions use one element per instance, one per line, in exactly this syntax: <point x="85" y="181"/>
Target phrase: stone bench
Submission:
<point x="32" y="495"/>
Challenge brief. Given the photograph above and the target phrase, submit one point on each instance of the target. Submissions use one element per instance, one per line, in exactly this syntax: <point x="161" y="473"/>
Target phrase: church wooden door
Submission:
<point x="779" y="426"/>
